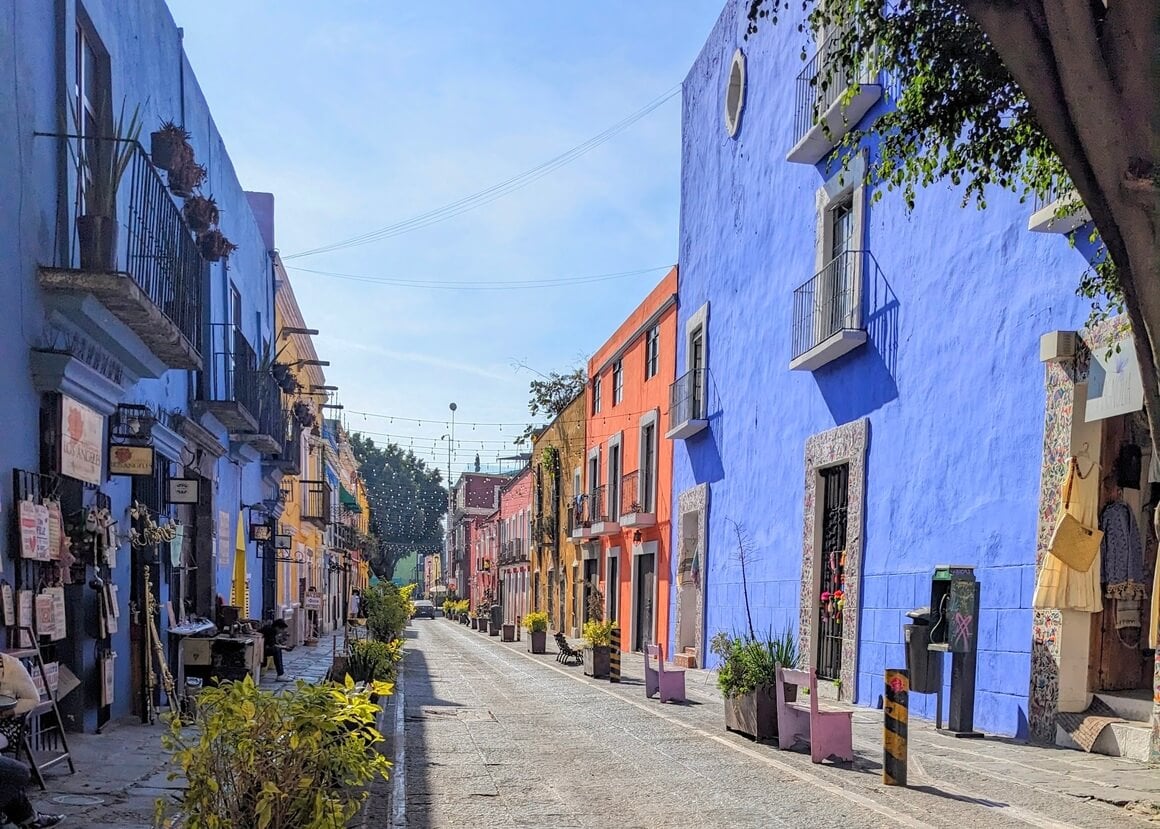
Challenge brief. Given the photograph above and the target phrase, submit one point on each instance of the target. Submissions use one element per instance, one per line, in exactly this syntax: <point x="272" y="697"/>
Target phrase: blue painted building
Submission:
<point x="861" y="394"/>
<point x="131" y="361"/>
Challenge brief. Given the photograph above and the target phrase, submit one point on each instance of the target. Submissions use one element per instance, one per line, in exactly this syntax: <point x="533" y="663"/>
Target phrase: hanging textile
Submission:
<point x="240" y="590"/>
<point x="1058" y="585"/>
<point x="1121" y="553"/>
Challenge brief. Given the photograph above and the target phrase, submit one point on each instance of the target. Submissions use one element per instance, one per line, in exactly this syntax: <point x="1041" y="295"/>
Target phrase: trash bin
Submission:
<point x="925" y="670"/>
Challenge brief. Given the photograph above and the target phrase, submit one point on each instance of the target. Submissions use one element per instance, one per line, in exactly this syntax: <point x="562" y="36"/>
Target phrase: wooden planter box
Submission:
<point x="509" y="633"/>
<point x="596" y="661"/>
<point x="538" y="641"/>
<point x="475" y="624"/>
<point x="755" y="714"/>
<point x="483" y="625"/>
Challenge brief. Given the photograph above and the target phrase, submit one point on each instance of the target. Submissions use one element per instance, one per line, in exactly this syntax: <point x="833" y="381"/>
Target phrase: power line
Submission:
<point x="496" y="191"/>
<point x="483" y="285"/>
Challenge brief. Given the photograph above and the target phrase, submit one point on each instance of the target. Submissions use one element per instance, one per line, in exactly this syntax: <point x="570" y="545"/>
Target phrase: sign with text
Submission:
<point x="130" y="460"/>
<point x="82" y="441"/>
<point x="183" y="490"/>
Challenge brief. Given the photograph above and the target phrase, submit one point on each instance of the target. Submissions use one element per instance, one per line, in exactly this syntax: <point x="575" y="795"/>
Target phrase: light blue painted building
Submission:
<point x="157" y="348"/>
<point x="862" y="396"/>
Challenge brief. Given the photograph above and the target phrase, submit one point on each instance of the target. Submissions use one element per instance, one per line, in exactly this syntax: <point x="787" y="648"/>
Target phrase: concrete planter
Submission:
<point x="596" y="661"/>
<point x="509" y="633"/>
<point x="493" y="630"/>
<point x="483" y="625"/>
<point x="755" y="714"/>
<point x="538" y="640"/>
<point x="475" y="624"/>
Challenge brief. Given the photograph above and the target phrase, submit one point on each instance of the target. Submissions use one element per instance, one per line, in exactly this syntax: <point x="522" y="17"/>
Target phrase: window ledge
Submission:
<point x="816" y="143"/>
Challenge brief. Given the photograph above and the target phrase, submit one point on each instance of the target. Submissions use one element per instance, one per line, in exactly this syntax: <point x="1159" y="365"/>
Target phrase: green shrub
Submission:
<point x="387" y="609"/>
<point x="598" y="634"/>
<point x="374" y="661"/>
<point x="298" y="759"/>
<point x="748" y="663"/>
<point x="536" y="621"/>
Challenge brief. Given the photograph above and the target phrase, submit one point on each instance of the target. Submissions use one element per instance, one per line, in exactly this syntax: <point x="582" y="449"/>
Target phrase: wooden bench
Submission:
<point x="566" y="653"/>
<point x="830" y="733"/>
<point x="669" y="684"/>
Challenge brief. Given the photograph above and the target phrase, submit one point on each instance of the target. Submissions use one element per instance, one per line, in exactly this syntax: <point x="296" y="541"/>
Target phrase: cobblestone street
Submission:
<point x="498" y="737"/>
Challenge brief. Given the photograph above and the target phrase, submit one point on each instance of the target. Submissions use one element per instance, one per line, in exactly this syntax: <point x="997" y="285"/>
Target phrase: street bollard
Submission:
<point x="895" y="721"/>
<point x="614" y="655"/>
<point x="518" y="626"/>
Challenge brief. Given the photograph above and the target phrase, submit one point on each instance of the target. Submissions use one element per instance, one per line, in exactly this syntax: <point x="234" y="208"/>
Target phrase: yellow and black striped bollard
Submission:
<point x="614" y="655"/>
<point x="897" y="714"/>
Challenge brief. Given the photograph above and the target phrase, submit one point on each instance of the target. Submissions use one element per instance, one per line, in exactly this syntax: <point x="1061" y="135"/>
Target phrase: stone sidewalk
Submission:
<point x="121" y="772"/>
<point x="934" y="756"/>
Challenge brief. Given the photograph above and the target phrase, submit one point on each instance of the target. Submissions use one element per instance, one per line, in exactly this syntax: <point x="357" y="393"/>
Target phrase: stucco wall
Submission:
<point x="950" y="380"/>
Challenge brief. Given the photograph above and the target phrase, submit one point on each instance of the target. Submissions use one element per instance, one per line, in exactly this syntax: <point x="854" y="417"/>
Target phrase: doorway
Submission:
<point x="835" y="482"/>
<point x="645" y="578"/>
<point x="591" y="574"/>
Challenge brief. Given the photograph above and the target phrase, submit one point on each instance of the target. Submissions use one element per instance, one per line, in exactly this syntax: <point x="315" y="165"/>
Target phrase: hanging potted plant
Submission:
<point x="185" y="179"/>
<point x="215" y="246"/>
<point x="303" y="414"/>
<point x="282" y="374"/>
<point x="102" y="164"/>
<point x="201" y="213"/>
<point x="169" y="147"/>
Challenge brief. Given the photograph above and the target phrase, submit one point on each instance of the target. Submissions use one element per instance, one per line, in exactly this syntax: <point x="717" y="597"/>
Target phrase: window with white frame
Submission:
<point x="617" y="382"/>
<point x="652" y="351"/>
<point x="838" y="252"/>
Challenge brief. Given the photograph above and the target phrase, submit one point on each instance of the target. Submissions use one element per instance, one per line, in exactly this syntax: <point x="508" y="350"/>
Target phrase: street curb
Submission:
<point x="399" y="744"/>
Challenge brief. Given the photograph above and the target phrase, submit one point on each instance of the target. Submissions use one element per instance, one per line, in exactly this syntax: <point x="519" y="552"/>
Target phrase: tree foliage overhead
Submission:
<point x="1033" y="96"/>
<point x="407" y="502"/>
<point x="549" y="396"/>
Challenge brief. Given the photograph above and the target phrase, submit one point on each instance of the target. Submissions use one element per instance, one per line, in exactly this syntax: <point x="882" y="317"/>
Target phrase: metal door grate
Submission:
<point x="835" y="499"/>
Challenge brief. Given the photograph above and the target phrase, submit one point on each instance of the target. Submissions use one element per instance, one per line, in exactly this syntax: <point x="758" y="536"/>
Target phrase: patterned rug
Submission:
<point x="1085" y="726"/>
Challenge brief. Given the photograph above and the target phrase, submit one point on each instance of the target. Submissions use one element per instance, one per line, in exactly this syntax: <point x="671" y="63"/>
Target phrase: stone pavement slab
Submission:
<point x="561" y="749"/>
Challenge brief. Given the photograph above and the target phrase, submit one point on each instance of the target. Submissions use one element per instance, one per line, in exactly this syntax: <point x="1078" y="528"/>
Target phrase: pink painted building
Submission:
<point x="513" y="522"/>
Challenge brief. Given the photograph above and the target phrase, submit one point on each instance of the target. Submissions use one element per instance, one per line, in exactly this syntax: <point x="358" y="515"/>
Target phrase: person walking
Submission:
<point x="273" y="635"/>
<point x="15" y="775"/>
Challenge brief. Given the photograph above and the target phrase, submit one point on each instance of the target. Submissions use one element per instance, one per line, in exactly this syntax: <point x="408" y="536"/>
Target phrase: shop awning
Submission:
<point x="348" y="500"/>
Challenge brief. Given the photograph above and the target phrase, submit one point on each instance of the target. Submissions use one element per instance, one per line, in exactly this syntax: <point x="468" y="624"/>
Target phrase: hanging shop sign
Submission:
<point x="283" y="542"/>
<point x="1114" y="384"/>
<point x="130" y="460"/>
<point x="82" y="441"/>
<point x="260" y="532"/>
<point x="183" y="490"/>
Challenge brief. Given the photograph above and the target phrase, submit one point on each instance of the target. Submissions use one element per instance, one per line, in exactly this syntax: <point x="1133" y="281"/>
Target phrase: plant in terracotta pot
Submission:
<point x="102" y="164"/>
<point x="185" y="179"/>
<point x="215" y="246"/>
<point x="597" y="648"/>
<point x="201" y="213"/>
<point x="169" y="146"/>
<point x="536" y="623"/>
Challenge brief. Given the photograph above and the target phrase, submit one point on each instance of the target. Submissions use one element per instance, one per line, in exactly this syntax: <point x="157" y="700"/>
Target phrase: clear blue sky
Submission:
<point x="362" y="113"/>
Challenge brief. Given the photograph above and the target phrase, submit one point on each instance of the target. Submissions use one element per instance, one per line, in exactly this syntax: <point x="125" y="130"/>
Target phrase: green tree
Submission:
<point x="551" y="394"/>
<point x="1019" y="94"/>
<point x="407" y="502"/>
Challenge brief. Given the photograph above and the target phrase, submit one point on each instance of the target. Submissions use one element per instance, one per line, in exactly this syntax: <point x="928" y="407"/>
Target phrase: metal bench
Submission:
<point x="670" y="684"/>
<point x="565" y="652"/>
<point x="830" y="732"/>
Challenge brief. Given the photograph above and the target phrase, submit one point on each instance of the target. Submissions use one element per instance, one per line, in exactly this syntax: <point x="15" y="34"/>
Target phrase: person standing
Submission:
<point x="273" y="636"/>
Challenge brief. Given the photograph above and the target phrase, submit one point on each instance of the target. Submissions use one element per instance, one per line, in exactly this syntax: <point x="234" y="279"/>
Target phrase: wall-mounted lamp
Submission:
<point x="288" y="331"/>
<point x="636" y="535"/>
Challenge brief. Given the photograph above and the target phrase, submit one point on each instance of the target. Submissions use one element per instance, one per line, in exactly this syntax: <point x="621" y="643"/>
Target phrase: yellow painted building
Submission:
<point x="557" y="461"/>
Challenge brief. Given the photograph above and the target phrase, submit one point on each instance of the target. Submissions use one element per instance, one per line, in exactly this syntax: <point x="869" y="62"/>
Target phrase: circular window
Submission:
<point x="735" y="94"/>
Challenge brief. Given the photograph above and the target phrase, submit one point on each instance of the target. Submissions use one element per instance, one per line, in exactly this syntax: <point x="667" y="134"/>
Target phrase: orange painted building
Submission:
<point x="622" y="519"/>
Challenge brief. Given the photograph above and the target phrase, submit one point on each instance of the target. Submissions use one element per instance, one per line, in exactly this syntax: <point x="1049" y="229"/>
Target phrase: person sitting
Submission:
<point x="15" y="776"/>
<point x="273" y="635"/>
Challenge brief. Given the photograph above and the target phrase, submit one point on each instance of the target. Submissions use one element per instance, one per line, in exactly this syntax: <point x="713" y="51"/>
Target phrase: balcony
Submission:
<point x="604" y="513"/>
<point x="343" y="536"/>
<point x="288" y="458"/>
<point x="513" y="551"/>
<point x="687" y="405"/>
<point x="245" y="398"/>
<point x="827" y="312"/>
<point x="637" y="506"/>
<point x="315" y="502"/>
<point x="136" y="286"/>
<point x="825" y="110"/>
<point x="1059" y="210"/>
<point x="580" y="519"/>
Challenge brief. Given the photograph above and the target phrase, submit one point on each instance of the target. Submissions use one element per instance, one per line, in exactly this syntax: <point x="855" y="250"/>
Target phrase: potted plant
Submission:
<point x="475" y="621"/>
<point x="185" y="179"/>
<point x="215" y="246"/>
<point x="747" y="678"/>
<point x="597" y="648"/>
<point x="484" y="613"/>
<point x="169" y="147"/>
<point x="536" y="623"/>
<point x="201" y="213"/>
<point x="102" y="164"/>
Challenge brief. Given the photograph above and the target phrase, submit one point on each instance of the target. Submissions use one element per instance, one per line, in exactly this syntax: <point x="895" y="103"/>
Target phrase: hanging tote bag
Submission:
<point x="1075" y="544"/>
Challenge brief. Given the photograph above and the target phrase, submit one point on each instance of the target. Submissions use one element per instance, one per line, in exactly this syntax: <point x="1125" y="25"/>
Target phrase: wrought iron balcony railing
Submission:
<point x="598" y="504"/>
<point x="579" y="515"/>
<point x="315" y="501"/>
<point x="141" y="262"/>
<point x="830" y="302"/>
<point x="686" y="398"/>
<point x="634" y="499"/>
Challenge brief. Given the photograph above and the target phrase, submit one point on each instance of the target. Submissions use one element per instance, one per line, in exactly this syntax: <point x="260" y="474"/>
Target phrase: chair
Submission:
<point x="830" y="732"/>
<point x="670" y="684"/>
<point x="566" y="653"/>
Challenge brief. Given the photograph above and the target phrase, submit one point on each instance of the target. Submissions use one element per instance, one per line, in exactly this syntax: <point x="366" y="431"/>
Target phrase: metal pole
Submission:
<point x="614" y="655"/>
<point x="896" y="717"/>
